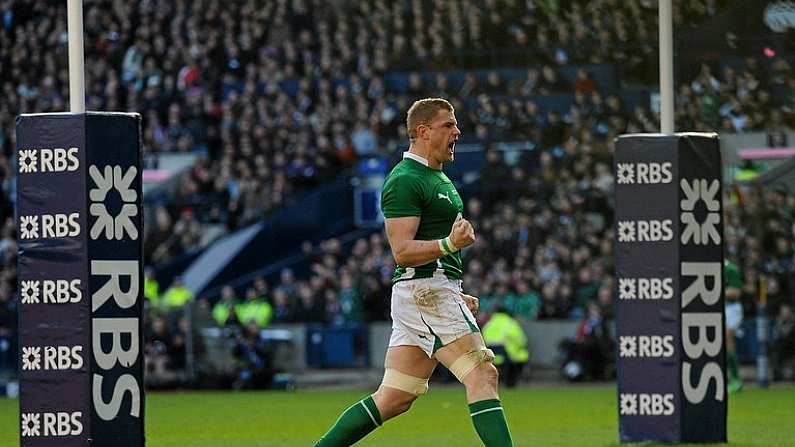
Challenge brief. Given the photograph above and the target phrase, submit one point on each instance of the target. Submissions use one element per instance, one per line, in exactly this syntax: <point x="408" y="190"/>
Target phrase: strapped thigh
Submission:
<point x="404" y="382"/>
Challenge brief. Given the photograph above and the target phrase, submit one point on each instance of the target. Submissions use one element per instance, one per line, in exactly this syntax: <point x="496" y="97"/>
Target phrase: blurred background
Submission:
<point x="269" y="126"/>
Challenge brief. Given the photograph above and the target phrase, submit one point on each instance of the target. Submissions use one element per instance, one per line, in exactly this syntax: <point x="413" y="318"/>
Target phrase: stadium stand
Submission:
<point x="275" y="98"/>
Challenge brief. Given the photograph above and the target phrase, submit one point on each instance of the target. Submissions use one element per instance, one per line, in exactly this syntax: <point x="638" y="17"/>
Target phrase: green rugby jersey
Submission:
<point x="414" y="189"/>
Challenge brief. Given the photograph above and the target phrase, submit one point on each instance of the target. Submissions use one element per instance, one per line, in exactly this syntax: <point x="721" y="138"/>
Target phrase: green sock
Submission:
<point x="732" y="364"/>
<point x="354" y="424"/>
<point x="489" y="419"/>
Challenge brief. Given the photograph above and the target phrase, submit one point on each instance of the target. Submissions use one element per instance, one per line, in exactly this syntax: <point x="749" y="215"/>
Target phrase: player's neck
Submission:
<point x="425" y="154"/>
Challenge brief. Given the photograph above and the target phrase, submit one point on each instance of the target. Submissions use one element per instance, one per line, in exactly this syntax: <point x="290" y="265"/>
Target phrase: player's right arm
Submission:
<point x="410" y="252"/>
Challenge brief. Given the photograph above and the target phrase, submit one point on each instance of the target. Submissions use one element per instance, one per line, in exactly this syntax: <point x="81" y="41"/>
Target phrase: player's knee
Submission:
<point x="403" y="403"/>
<point x="488" y="373"/>
<point x="398" y="391"/>
<point x="485" y="377"/>
<point x="393" y="402"/>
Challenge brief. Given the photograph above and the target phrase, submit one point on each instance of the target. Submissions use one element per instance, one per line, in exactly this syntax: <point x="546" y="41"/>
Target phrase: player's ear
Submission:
<point x="423" y="131"/>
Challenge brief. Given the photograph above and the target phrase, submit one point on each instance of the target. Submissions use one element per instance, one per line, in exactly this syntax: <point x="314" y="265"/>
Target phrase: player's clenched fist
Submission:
<point x="462" y="235"/>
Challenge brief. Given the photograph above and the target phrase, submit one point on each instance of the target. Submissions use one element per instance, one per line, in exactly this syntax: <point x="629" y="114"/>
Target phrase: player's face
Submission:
<point x="443" y="136"/>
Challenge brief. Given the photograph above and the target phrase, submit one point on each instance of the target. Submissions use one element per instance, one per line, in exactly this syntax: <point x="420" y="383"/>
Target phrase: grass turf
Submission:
<point x="570" y="416"/>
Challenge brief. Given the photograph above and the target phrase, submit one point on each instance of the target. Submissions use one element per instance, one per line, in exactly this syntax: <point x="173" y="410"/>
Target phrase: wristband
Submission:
<point x="446" y="246"/>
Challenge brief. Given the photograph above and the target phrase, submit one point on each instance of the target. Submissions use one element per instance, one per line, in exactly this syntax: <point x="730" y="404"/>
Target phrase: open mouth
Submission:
<point x="451" y="146"/>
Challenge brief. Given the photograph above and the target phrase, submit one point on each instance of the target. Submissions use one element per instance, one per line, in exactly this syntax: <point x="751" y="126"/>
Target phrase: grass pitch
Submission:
<point x="570" y="416"/>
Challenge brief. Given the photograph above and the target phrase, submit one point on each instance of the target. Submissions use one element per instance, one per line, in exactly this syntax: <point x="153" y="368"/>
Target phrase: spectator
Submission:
<point x="782" y="349"/>
<point x="151" y="288"/>
<point x="584" y="83"/>
<point x="590" y="353"/>
<point x="552" y="303"/>
<point x="350" y="300"/>
<point x="550" y="83"/>
<point x="255" y="309"/>
<point x="177" y="295"/>
<point x="554" y="131"/>
<point x="255" y="359"/>
<point x="364" y="140"/>
<point x="308" y="307"/>
<point x="225" y="308"/>
<point x="586" y="287"/>
<point x="505" y="336"/>
<point x="163" y="353"/>
<point x="529" y="85"/>
<point x="282" y="309"/>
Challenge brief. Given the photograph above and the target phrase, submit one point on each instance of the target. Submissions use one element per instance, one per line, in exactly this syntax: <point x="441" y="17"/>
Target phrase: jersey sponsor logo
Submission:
<point x="645" y="230"/>
<point x="646" y="346"/>
<point x="444" y="196"/>
<point x="645" y="288"/>
<point x="47" y="291"/>
<point x="57" y="424"/>
<point x="48" y="226"/>
<point x="647" y="404"/>
<point x="48" y="160"/>
<point x="52" y="358"/>
<point x="643" y="173"/>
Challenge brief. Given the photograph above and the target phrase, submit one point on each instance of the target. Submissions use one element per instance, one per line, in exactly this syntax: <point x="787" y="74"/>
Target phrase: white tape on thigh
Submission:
<point x="469" y="361"/>
<point x="404" y="382"/>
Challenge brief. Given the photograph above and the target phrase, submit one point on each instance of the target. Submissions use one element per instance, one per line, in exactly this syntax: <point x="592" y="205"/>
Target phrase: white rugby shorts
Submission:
<point x="429" y="313"/>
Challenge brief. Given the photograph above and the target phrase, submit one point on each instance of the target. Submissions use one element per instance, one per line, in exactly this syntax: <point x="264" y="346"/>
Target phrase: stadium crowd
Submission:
<point x="277" y="97"/>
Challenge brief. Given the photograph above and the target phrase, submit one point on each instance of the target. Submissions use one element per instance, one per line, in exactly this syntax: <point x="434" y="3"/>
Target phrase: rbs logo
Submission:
<point x="115" y="330"/>
<point x="702" y="332"/>
<point x="49" y="226"/>
<point x="645" y="288"/>
<point x="55" y="358"/>
<point x="647" y="404"/>
<point x="645" y="230"/>
<point x="48" y="160"/>
<point x="643" y="173"/>
<point x="47" y="291"/>
<point x="52" y="424"/>
<point x="646" y="346"/>
<point x="117" y="357"/>
<point x="702" y="324"/>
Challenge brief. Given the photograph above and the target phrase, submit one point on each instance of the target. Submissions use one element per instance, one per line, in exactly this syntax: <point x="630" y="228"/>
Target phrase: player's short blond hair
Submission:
<point x="423" y="111"/>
